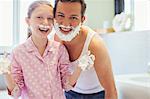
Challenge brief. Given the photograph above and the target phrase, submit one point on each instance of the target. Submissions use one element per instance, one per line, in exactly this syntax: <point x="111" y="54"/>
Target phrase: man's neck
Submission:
<point x="77" y="39"/>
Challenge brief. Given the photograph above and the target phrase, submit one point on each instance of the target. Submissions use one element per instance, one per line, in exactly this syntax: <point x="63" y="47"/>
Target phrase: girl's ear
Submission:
<point x="27" y="21"/>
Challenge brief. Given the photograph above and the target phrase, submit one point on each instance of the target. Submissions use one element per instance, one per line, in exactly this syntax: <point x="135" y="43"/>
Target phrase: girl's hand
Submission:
<point x="4" y="65"/>
<point x="86" y="61"/>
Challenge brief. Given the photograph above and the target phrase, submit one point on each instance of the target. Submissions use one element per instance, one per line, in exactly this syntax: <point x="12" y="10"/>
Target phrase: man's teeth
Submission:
<point x="66" y="29"/>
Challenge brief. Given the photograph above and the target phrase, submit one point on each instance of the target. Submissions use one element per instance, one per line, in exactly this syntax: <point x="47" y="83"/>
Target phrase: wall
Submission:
<point x="129" y="51"/>
<point x="98" y="11"/>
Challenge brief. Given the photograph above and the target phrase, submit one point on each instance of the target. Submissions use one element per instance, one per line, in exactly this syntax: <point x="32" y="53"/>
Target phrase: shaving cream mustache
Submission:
<point x="44" y="28"/>
<point x="67" y="37"/>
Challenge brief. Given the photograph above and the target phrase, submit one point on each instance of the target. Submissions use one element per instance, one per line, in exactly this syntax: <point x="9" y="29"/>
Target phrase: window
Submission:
<point x="128" y="6"/>
<point x="140" y="10"/>
<point x="6" y="23"/>
<point x="13" y="28"/>
<point x="141" y="14"/>
<point x="24" y="4"/>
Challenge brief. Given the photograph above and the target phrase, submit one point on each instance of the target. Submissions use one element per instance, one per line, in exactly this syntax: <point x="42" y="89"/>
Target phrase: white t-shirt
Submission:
<point x="88" y="81"/>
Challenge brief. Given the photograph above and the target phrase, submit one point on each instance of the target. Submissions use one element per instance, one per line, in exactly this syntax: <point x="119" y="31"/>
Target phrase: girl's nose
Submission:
<point x="45" y="21"/>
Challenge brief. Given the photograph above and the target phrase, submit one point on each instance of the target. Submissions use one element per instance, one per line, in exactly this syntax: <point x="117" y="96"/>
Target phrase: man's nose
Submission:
<point x="66" y="22"/>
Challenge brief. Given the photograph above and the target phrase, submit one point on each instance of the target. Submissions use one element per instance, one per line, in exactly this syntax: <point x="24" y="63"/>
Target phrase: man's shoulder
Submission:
<point x="89" y="29"/>
<point x="96" y="42"/>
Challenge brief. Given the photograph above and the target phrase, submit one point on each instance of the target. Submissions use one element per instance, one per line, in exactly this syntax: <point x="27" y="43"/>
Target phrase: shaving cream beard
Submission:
<point x="67" y="37"/>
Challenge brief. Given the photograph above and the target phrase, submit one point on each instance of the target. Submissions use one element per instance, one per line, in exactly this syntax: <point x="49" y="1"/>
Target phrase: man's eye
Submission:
<point x="74" y="18"/>
<point x="60" y="15"/>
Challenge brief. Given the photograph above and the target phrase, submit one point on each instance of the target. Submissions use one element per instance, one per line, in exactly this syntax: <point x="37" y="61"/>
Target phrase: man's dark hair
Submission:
<point x="82" y="2"/>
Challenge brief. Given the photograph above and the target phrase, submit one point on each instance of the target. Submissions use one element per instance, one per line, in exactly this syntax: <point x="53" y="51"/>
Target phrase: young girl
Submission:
<point x="39" y="68"/>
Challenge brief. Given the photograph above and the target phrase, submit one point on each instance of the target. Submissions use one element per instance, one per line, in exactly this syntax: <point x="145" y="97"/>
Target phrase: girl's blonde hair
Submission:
<point x="32" y="7"/>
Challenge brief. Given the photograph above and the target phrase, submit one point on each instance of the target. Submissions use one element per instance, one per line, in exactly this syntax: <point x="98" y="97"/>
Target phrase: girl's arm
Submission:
<point x="68" y="78"/>
<point x="9" y="83"/>
<point x="5" y="69"/>
<point x="103" y="67"/>
<point x="12" y="87"/>
<point x="74" y="76"/>
<point x="14" y="80"/>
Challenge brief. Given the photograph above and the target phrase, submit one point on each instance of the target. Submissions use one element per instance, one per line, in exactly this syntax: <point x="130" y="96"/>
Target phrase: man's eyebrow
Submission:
<point x="60" y="13"/>
<point x="75" y="15"/>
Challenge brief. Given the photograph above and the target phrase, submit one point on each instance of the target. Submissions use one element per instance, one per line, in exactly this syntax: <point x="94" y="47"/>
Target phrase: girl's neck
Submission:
<point x="40" y="43"/>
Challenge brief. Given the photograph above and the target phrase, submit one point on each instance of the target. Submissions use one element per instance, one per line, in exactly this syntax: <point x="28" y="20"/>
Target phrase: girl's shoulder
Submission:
<point x="17" y="50"/>
<point x="24" y="46"/>
<point x="18" y="47"/>
<point x="56" y="44"/>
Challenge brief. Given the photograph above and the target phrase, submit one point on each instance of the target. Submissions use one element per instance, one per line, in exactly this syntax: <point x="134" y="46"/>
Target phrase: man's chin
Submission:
<point x="65" y="32"/>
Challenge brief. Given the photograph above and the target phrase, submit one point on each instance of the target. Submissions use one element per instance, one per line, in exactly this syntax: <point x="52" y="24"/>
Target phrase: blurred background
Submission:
<point x="123" y="24"/>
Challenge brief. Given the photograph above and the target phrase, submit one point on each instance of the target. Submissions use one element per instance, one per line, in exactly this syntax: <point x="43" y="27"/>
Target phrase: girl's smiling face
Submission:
<point x="41" y="21"/>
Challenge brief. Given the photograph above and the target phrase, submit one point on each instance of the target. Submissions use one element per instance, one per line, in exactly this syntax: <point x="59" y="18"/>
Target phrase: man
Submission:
<point x="96" y="80"/>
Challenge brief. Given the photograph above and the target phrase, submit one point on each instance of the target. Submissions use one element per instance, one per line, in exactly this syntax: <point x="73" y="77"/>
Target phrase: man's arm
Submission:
<point x="102" y="65"/>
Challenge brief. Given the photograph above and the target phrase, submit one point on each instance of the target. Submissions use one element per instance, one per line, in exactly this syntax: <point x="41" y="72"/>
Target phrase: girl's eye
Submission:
<point x="39" y="17"/>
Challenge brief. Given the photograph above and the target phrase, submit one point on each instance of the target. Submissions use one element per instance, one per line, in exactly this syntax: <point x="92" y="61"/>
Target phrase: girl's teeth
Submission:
<point x="43" y="28"/>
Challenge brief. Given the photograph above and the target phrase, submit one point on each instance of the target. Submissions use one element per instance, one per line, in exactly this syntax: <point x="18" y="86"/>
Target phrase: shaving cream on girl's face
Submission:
<point x="42" y="29"/>
<point x="74" y="31"/>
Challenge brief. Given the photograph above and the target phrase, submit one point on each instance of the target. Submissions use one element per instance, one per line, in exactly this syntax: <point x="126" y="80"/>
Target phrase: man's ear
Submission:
<point x="83" y="19"/>
<point x="27" y="21"/>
